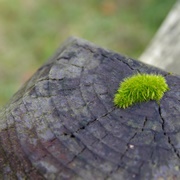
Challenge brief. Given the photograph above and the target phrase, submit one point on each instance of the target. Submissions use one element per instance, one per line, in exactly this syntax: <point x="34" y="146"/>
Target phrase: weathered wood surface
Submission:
<point x="63" y="125"/>
<point x="163" y="51"/>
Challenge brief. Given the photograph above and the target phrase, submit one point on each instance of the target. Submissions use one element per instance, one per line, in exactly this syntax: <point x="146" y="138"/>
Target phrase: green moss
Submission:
<point x="140" y="88"/>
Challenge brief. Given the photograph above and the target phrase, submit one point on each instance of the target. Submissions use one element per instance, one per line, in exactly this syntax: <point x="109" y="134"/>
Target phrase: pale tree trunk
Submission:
<point x="164" y="50"/>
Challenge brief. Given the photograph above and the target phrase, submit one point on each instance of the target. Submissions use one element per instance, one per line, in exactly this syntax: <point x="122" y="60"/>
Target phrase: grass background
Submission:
<point x="31" y="30"/>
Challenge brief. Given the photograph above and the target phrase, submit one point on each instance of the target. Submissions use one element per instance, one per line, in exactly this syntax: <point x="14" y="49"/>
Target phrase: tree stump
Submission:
<point x="62" y="124"/>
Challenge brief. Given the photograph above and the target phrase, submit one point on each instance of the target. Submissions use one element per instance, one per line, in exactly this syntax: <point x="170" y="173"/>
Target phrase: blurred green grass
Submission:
<point x="30" y="31"/>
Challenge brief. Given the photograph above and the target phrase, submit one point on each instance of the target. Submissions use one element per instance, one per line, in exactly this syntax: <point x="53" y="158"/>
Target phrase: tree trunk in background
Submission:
<point x="164" y="50"/>
<point x="63" y="124"/>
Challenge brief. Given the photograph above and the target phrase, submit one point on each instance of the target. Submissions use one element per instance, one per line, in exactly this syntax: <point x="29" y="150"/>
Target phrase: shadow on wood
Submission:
<point x="62" y="123"/>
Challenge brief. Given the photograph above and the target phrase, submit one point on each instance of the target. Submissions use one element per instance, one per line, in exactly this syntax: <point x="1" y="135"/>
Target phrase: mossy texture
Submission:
<point x="140" y="88"/>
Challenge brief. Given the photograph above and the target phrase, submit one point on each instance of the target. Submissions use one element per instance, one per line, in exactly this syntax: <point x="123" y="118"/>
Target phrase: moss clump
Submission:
<point x="140" y="88"/>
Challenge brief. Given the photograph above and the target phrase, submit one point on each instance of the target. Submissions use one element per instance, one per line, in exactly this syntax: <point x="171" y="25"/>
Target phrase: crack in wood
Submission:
<point x="144" y="124"/>
<point x="128" y="145"/>
<point x="96" y="119"/>
<point x="165" y="134"/>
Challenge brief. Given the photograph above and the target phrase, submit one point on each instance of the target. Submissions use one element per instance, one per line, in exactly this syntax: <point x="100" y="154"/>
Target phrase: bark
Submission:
<point x="163" y="51"/>
<point x="62" y="124"/>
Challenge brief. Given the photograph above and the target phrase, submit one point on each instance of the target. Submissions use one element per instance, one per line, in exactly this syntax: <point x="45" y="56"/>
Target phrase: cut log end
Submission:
<point x="62" y="124"/>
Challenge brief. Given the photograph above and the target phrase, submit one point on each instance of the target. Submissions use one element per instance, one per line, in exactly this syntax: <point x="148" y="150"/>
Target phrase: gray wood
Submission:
<point x="62" y="123"/>
<point x="164" y="50"/>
